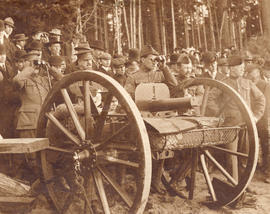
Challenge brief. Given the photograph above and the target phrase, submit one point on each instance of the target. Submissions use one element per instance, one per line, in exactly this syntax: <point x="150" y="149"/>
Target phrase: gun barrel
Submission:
<point x="167" y="104"/>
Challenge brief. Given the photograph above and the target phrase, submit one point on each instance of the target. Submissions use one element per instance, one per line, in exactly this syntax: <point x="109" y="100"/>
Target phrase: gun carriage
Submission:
<point x="110" y="151"/>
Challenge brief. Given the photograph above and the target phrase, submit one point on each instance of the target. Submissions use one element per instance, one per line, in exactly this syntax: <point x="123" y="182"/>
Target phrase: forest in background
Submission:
<point x="165" y="24"/>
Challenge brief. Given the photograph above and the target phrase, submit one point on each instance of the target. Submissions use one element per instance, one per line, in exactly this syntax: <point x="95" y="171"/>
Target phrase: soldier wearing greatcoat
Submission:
<point x="231" y="113"/>
<point x="254" y="73"/>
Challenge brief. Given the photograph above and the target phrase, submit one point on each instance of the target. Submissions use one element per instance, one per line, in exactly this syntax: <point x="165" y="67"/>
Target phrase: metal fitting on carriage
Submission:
<point x="81" y="155"/>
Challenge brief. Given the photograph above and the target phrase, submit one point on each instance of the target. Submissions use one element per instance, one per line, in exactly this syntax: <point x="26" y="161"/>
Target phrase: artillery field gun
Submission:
<point x="88" y="146"/>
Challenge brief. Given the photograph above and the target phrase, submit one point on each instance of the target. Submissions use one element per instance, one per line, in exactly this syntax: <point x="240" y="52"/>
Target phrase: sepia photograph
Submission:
<point x="134" y="106"/>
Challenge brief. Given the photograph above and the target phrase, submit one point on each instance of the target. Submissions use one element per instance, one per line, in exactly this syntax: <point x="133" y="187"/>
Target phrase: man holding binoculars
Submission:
<point x="153" y="69"/>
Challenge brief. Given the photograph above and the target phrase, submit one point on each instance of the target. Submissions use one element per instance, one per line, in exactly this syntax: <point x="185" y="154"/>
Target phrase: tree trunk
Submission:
<point x="211" y="23"/>
<point x="131" y="23"/>
<point x="173" y="25"/>
<point x="79" y="21"/>
<point x="240" y="36"/>
<point x="140" y="24"/>
<point x="117" y="30"/>
<point x="192" y="31"/>
<point x="260" y="19"/>
<point x="155" y="36"/>
<point x="186" y="33"/>
<point x="204" y="36"/>
<point x="126" y="27"/>
<point x="105" y="30"/>
<point x="225" y="37"/>
<point x="134" y="24"/>
<point x="217" y="29"/>
<point x="199" y="35"/>
<point x="266" y="17"/>
<point x="233" y="34"/>
<point x="95" y="21"/>
<point x="163" y="32"/>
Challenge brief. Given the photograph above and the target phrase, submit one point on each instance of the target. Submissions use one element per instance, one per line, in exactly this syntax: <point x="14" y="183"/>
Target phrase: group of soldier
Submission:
<point x="24" y="82"/>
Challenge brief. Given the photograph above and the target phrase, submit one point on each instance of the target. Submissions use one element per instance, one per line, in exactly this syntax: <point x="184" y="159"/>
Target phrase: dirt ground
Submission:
<point x="158" y="204"/>
<point x="176" y="205"/>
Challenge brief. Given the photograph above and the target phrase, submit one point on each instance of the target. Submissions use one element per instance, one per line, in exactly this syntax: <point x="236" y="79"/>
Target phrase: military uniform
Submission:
<point x="34" y="89"/>
<point x="263" y="127"/>
<point x="249" y="92"/>
<point x="9" y="102"/>
<point x="143" y="76"/>
<point x="218" y="102"/>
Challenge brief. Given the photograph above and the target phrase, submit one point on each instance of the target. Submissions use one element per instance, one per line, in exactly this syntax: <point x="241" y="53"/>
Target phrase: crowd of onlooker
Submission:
<point x="24" y="84"/>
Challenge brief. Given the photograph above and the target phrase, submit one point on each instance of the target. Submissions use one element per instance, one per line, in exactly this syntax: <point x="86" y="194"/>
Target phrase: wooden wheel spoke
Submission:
<point x="73" y="114"/>
<point x="101" y="191"/>
<point x="221" y="168"/>
<point x="58" y="149"/>
<point x="56" y="122"/>
<point x="87" y="111"/>
<point x="106" y="142"/>
<point x="116" y="186"/>
<point x="205" y="99"/>
<point x="207" y="177"/>
<point x="112" y="159"/>
<point x="102" y="117"/>
<point x="229" y="151"/>
<point x="94" y="108"/>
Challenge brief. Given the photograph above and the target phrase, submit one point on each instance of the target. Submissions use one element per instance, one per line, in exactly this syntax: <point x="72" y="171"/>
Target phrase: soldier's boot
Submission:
<point x="157" y="171"/>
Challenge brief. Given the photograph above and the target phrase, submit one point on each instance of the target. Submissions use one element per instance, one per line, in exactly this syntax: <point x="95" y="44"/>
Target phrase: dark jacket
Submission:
<point x="9" y="103"/>
<point x="217" y="100"/>
<point x="264" y="122"/>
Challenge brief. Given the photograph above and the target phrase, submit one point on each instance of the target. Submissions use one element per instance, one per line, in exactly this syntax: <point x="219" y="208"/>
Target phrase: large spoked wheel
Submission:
<point x="99" y="156"/>
<point x="225" y="183"/>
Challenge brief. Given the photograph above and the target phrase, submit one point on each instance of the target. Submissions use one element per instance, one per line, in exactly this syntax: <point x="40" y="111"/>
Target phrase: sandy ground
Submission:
<point x="158" y="204"/>
<point x="174" y="205"/>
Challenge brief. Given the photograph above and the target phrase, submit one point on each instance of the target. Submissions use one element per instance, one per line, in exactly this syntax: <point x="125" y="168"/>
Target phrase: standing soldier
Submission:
<point x="148" y="74"/>
<point x="34" y="86"/>
<point x="9" y="97"/>
<point x="232" y="115"/>
<point x="10" y="48"/>
<point x="254" y="73"/>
